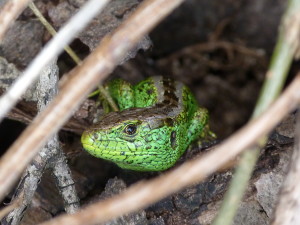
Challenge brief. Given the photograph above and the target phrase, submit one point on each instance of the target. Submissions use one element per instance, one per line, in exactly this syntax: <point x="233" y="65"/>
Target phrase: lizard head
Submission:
<point x="133" y="139"/>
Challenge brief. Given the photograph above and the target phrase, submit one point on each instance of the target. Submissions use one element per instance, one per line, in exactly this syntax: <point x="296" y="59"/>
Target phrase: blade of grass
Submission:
<point x="70" y="52"/>
<point x="49" y="52"/>
<point x="280" y="63"/>
<point x="145" y="193"/>
<point x="84" y="78"/>
<point x="52" y="31"/>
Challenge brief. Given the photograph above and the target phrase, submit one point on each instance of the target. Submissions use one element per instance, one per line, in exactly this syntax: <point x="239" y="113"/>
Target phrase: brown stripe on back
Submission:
<point x="170" y="97"/>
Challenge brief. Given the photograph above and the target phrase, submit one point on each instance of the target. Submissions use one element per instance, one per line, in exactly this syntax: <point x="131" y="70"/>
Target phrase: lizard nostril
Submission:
<point x="95" y="136"/>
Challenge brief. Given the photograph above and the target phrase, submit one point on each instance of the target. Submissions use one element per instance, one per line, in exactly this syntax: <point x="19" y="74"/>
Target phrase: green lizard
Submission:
<point x="157" y="121"/>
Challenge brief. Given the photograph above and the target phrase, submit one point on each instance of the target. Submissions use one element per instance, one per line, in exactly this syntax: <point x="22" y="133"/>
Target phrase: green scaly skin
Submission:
<point x="158" y="120"/>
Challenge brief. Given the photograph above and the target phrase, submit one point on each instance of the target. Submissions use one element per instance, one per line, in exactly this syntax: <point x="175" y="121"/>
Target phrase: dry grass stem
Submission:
<point x="51" y="155"/>
<point x="49" y="52"/>
<point x="84" y="78"/>
<point x="12" y="205"/>
<point x="145" y="193"/>
<point x="52" y="31"/>
<point x="10" y="11"/>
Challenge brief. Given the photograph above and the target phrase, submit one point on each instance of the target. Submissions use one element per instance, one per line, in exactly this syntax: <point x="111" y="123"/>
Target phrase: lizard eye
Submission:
<point x="130" y="129"/>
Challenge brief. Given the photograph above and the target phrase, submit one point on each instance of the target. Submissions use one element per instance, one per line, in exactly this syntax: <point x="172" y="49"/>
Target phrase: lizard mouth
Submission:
<point x="101" y="148"/>
<point x="140" y="159"/>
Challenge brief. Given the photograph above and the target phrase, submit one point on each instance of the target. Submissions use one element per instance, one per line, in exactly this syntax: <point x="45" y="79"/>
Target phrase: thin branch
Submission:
<point x="46" y="90"/>
<point x="65" y="182"/>
<point x="52" y="31"/>
<point x="49" y="52"/>
<point x="145" y="193"/>
<point x="288" y="208"/>
<point x="60" y="168"/>
<point x="282" y="57"/>
<point x="28" y="184"/>
<point x="7" y="209"/>
<point x="280" y="63"/>
<point x="10" y="11"/>
<point x="83" y="79"/>
<point x="70" y="52"/>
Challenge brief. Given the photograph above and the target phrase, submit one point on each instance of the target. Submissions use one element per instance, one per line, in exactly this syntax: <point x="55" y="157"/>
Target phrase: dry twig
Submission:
<point x="52" y="31"/>
<point x="95" y="68"/>
<point x="49" y="52"/>
<point x="285" y="49"/>
<point x="11" y="10"/>
<point x="145" y="193"/>
<point x="46" y="91"/>
<point x="7" y="209"/>
<point x="70" y="51"/>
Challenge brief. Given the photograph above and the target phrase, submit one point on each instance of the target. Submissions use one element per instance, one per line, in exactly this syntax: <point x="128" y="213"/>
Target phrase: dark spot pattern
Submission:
<point x="173" y="139"/>
<point x="169" y="122"/>
<point x="170" y="97"/>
